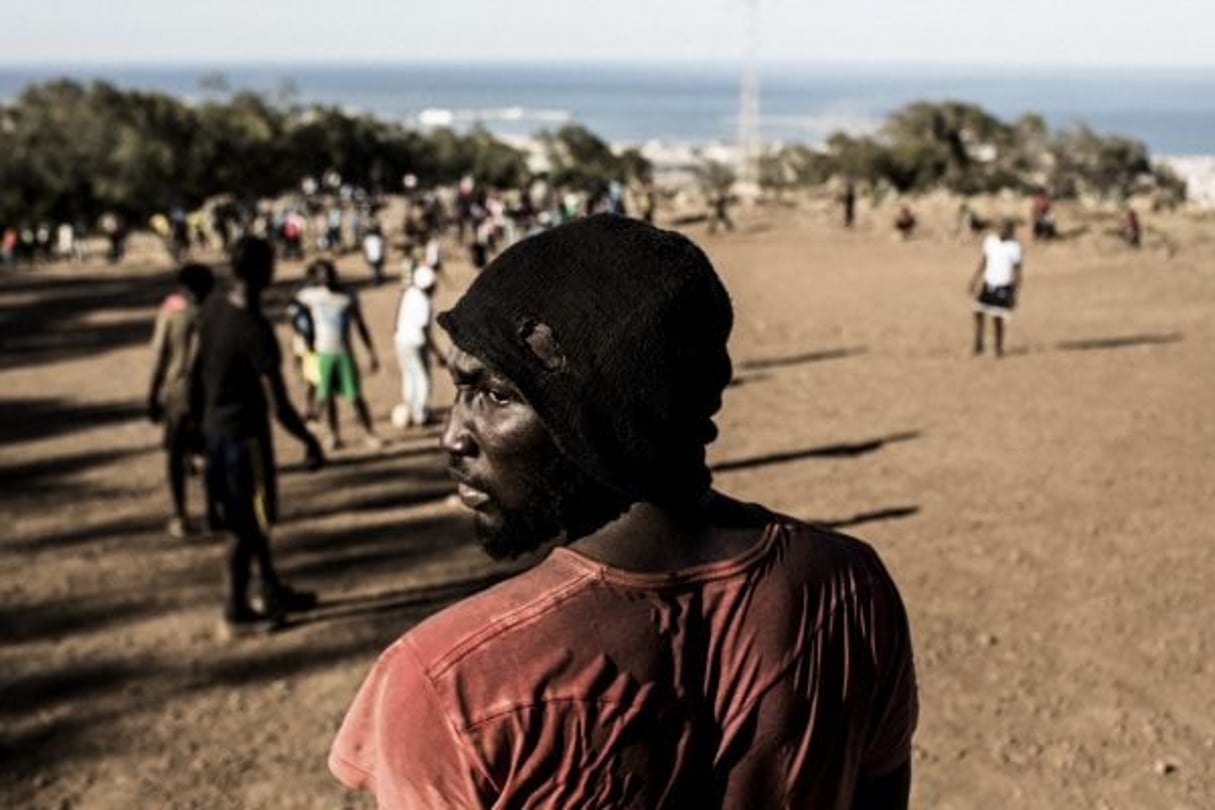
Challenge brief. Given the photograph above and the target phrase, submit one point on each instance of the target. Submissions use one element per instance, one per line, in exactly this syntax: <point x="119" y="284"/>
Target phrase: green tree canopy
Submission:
<point x="70" y="151"/>
<point x="962" y="148"/>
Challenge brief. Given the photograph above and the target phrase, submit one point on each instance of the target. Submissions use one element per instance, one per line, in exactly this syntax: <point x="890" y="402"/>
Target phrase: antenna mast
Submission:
<point x="748" y="101"/>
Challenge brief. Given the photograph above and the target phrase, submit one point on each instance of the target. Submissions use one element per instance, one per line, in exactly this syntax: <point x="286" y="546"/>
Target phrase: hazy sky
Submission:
<point x="1014" y="32"/>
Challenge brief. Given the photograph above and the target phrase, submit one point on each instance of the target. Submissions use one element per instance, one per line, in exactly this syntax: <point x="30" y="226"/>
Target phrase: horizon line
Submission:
<point x="78" y="64"/>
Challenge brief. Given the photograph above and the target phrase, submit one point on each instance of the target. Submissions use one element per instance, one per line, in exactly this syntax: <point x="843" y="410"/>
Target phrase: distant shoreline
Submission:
<point x="1172" y="110"/>
<point x="677" y="113"/>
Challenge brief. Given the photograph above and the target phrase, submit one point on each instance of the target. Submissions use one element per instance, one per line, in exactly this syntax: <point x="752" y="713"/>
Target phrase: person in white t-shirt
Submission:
<point x="415" y="346"/>
<point x="996" y="282"/>
<point x="333" y="310"/>
<point x="373" y="252"/>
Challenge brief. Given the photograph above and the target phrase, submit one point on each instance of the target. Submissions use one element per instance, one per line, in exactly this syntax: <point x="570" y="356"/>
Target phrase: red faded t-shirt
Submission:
<point x="772" y="679"/>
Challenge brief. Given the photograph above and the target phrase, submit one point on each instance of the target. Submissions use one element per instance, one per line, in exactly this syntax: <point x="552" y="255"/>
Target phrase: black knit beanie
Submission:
<point x="615" y="332"/>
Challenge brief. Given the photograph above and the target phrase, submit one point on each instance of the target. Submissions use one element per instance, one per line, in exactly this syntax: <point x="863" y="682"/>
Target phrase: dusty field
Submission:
<point x="1048" y="517"/>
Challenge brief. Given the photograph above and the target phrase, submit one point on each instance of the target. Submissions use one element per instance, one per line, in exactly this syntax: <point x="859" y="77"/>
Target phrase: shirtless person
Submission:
<point x="239" y="381"/>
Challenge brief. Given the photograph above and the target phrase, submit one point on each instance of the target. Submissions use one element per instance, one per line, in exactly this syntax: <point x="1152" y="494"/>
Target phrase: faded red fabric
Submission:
<point x="773" y="679"/>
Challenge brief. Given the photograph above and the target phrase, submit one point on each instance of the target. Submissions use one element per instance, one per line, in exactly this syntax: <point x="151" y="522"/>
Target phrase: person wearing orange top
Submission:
<point x="673" y="647"/>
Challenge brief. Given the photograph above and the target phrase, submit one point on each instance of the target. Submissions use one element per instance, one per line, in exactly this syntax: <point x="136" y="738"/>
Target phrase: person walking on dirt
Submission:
<point x="240" y="383"/>
<point x="174" y="343"/>
<point x="905" y="222"/>
<point x="848" y="201"/>
<point x="1132" y="231"/>
<point x="1041" y="215"/>
<point x="720" y="215"/>
<point x="996" y="282"/>
<point x="334" y="309"/>
<point x="674" y="647"/>
<point x="114" y="227"/>
<point x="373" y="252"/>
<point x="415" y="345"/>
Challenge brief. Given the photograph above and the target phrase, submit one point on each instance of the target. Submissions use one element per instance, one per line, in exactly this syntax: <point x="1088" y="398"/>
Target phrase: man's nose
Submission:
<point x="457" y="440"/>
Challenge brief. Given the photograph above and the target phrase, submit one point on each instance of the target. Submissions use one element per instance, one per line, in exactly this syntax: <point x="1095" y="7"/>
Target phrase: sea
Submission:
<point x="1170" y="110"/>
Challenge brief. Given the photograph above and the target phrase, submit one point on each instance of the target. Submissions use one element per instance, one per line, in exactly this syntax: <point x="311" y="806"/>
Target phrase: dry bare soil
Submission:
<point x="1048" y="517"/>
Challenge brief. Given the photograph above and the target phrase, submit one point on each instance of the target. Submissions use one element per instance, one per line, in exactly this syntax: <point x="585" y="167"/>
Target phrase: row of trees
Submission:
<point x="963" y="148"/>
<point x="70" y="151"/>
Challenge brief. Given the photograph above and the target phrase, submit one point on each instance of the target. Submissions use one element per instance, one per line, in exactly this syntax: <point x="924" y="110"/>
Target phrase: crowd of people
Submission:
<point x="216" y="370"/>
<point x="215" y="357"/>
<point x="329" y="218"/>
<point x="332" y="217"/>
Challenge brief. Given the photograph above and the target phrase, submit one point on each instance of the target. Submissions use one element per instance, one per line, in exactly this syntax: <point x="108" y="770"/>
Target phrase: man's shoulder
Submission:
<point x="511" y="616"/>
<point x="816" y="552"/>
<point x="215" y="309"/>
<point x="221" y="306"/>
<point x="823" y="535"/>
<point x="506" y="611"/>
<point x="315" y="294"/>
<point x="244" y="328"/>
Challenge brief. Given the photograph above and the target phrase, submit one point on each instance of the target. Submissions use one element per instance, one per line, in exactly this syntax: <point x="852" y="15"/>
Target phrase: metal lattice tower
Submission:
<point x="748" y="101"/>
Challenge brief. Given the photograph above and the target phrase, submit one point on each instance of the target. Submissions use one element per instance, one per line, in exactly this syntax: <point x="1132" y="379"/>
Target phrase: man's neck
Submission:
<point x="650" y="538"/>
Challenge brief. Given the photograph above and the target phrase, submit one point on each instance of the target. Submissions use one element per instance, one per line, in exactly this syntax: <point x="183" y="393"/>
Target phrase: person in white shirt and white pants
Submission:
<point x="414" y="346"/>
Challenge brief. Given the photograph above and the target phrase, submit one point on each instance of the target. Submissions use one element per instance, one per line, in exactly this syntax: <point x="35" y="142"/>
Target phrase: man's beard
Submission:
<point x="563" y="503"/>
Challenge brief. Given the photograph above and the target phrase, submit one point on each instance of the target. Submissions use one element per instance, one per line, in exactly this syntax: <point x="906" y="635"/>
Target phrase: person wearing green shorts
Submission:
<point x="340" y="375"/>
<point x="334" y="309"/>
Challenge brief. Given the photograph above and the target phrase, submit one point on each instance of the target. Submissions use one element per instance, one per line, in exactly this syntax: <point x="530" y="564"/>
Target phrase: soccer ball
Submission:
<point x="400" y="416"/>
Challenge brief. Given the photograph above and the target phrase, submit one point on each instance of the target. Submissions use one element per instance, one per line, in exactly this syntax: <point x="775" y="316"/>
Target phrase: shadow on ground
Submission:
<point x="123" y="528"/>
<point x="415" y="602"/>
<point x="47" y="690"/>
<point x="1099" y="343"/>
<point x="42" y="418"/>
<point x="1118" y="342"/>
<point x="54" y="738"/>
<point x="874" y="516"/>
<point x="53" y="476"/>
<point x="841" y="450"/>
<point x="801" y="359"/>
<point x="54" y="619"/>
<point x="52" y="327"/>
<point x="343" y="552"/>
<point x="55" y="325"/>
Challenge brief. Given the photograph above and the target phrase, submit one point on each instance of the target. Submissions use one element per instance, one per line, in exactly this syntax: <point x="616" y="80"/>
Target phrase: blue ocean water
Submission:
<point x="1171" y="110"/>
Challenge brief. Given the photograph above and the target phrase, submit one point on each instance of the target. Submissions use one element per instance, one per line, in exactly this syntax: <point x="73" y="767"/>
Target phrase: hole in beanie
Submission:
<point x="543" y="343"/>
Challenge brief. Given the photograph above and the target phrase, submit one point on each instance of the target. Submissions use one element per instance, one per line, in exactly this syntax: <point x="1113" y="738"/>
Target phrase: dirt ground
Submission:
<point x="1048" y="517"/>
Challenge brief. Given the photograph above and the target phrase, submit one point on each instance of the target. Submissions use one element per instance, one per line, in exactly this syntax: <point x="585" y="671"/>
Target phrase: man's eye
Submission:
<point x="498" y="397"/>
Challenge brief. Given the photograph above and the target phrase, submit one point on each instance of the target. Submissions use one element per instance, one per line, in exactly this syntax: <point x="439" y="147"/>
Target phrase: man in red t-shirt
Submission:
<point x="674" y="648"/>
